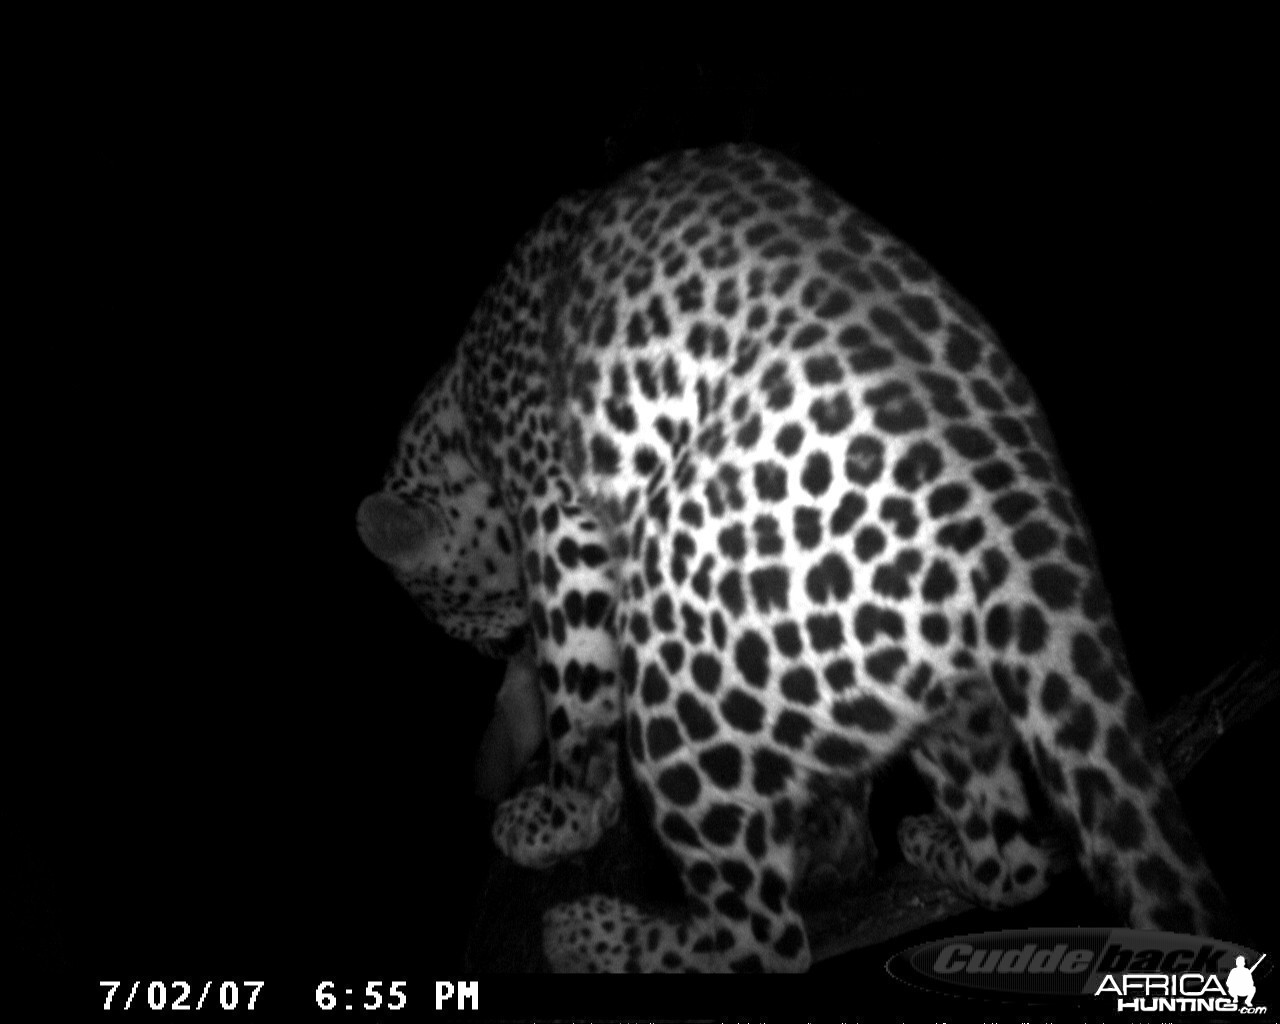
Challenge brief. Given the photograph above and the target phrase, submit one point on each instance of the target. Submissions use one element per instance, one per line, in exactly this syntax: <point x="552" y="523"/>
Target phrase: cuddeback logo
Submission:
<point x="1134" y="971"/>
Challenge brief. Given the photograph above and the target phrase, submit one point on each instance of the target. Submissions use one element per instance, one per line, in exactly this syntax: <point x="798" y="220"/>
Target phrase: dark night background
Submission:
<point x="251" y="751"/>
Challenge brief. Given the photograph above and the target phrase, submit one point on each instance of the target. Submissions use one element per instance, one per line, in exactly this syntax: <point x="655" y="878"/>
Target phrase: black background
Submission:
<point x="247" y="748"/>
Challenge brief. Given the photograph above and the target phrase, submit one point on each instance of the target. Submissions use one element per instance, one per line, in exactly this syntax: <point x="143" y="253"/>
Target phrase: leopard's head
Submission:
<point x="451" y="544"/>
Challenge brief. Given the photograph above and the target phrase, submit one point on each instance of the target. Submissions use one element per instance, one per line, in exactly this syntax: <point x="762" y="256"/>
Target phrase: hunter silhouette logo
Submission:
<point x="1240" y="980"/>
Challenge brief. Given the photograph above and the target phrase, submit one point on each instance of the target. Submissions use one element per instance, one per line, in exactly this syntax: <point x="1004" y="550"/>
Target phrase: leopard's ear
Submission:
<point x="391" y="529"/>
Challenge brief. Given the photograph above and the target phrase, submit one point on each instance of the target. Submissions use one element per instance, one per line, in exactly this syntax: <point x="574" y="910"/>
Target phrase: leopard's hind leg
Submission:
<point x="988" y="839"/>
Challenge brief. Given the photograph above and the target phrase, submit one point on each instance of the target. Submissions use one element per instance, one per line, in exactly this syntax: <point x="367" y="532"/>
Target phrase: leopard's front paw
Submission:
<point x="540" y="825"/>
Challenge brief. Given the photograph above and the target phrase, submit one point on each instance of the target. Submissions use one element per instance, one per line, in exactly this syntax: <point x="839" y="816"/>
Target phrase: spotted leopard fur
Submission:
<point x="774" y="505"/>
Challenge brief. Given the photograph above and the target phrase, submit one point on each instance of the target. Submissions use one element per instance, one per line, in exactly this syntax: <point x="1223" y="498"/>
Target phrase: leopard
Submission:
<point x="768" y="505"/>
